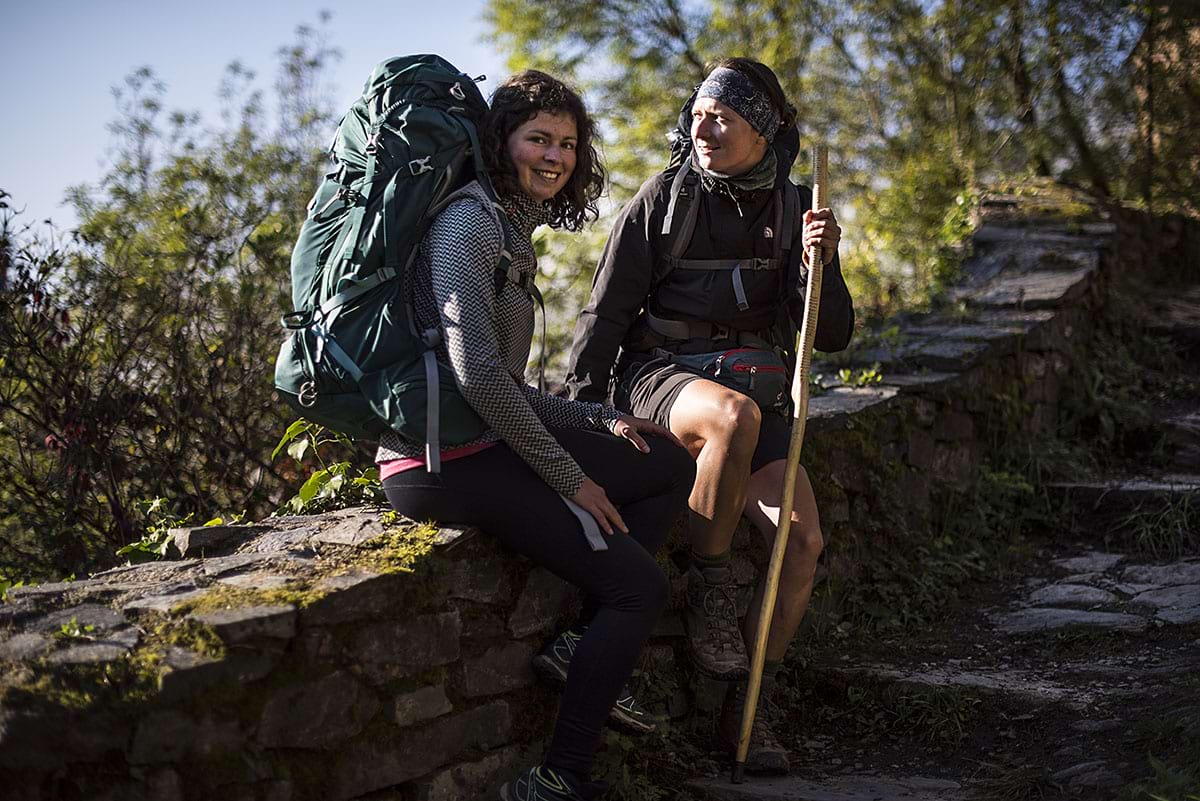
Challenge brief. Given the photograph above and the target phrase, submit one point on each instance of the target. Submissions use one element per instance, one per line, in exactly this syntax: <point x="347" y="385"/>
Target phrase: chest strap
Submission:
<point x="785" y="204"/>
<point x="733" y="266"/>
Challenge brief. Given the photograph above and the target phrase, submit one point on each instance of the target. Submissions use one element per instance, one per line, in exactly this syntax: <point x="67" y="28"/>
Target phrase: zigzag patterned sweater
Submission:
<point x="487" y="335"/>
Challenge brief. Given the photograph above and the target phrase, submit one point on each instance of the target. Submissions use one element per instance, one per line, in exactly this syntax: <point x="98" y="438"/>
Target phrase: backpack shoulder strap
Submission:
<point x="676" y="188"/>
<point x="683" y="190"/>
<point x="685" y="187"/>
<point x="792" y="214"/>
<point x="481" y="191"/>
<point x="505" y="271"/>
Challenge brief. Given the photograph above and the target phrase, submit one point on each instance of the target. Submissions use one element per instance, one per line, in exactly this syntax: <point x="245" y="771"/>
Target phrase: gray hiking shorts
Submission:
<point x="650" y="390"/>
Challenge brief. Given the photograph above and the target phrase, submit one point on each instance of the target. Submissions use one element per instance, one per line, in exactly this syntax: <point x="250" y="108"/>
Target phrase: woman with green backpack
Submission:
<point x="547" y="470"/>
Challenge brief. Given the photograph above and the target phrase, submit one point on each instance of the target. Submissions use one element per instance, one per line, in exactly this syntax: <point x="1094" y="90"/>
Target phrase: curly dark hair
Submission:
<point x="515" y="102"/>
<point x="764" y="77"/>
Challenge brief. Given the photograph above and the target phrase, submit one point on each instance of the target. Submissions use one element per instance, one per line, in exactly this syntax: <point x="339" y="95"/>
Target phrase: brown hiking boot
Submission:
<point x="712" y="624"/>
<point x="765" y="756"/>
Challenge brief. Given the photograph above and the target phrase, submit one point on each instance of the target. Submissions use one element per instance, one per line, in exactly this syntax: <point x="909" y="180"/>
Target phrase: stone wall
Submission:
<point x="344" y="656"/>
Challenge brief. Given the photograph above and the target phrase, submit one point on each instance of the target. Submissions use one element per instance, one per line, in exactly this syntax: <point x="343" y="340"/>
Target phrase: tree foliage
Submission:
<point x="137" y="352"/>
<point x="919" y="100"/>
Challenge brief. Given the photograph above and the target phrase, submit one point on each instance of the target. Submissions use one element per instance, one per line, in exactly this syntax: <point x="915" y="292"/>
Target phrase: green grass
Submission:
<point x="997" y="781"/>
<point x="1167" y="531"/>
<point x="1171" y="743"/>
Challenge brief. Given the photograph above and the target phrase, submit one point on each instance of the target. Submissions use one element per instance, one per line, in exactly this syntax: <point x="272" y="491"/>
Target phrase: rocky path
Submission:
<point x="1065" y="678"/>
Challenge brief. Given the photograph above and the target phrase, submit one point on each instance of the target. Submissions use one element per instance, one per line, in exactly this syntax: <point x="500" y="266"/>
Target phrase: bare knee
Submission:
<point x="799" y="566"/>
<point x="736" y="421"/>
<point x="708" y="413"/>
<point x="805" y="543"/>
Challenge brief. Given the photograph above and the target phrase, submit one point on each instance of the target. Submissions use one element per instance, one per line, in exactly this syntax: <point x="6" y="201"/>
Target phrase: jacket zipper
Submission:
<point x="756" y="368"/>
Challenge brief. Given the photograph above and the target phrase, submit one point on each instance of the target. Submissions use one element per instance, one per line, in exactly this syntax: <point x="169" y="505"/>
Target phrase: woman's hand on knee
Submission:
<point x="631" y="428"/>
<point x="592" y="497"/>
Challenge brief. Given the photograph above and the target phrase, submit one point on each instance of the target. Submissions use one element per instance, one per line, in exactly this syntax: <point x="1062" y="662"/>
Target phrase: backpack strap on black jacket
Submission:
<point x="684" y="188"/>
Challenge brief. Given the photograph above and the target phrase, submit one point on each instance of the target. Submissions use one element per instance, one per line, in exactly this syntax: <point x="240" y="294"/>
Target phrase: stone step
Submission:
<point x="1176" y="316"/>
<point x="1035" y="289"/>
<point x="1102" y="504"/>
<point x="1105" y="592"/>
<point x="1030" y="698"/>
<point x="1182" y="429"/>
<point x="832" y="788"/>
<point x="1053" y="618"/>
<point x="1004" y="685"/>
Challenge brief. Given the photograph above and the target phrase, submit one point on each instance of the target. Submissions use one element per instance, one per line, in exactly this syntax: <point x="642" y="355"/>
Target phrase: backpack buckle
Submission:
<point x="296" y="320"/>
<point x="308" y="394"/>
<point x="419" y="166"/>
<point x="457" y="92"/>
<point x="372" y="142"/>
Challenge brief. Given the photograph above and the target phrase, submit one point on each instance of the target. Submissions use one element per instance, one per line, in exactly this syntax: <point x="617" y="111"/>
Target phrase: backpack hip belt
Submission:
<point x="699" y="329"/>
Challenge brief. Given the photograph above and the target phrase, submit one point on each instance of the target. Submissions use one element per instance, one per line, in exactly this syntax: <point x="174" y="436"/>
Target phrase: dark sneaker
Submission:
<point x="712" y="624"/>
<point x="540" y="784"/>
<point x="765" y="755"/>
<point x="630" y="716"/>
<point x="552" y="664"/>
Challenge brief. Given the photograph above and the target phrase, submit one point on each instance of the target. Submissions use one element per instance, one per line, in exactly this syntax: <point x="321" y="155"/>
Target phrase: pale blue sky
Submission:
<point x="59" y="59"/>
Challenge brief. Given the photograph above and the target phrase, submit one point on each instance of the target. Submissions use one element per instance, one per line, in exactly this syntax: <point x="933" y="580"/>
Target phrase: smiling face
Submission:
<point x="542" y="152"/>
<point x="722" y="139"/>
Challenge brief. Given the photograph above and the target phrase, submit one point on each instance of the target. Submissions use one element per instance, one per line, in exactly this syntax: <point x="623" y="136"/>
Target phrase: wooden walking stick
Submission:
<point x="804" y="348"/>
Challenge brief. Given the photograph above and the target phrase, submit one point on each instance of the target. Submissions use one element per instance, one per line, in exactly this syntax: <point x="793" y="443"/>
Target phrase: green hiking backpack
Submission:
<point x="354" y="360"/>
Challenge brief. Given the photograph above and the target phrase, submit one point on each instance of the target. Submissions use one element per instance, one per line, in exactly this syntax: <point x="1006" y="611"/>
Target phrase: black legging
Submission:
<point x="625" y="590"/>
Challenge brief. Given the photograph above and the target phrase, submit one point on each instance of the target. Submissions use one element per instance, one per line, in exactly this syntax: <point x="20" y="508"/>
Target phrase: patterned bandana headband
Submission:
<point x="733" y="89"/>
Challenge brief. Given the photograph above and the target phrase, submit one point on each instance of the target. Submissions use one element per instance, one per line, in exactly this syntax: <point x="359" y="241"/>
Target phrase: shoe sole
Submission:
<point x="551" y="671"/>
<point x="621" y="721"/>
<point x="730" y="750"/>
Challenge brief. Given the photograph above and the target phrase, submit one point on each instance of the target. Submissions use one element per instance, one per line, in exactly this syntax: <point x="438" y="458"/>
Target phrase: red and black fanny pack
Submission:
<point x="757" y="372"/>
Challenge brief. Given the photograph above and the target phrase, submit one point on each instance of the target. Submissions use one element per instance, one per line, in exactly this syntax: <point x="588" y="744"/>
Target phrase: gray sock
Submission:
<point x="702" y="560"/>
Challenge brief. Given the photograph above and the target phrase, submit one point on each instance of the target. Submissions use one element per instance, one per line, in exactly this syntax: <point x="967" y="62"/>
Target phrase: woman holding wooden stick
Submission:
<point x="691" y="323"/>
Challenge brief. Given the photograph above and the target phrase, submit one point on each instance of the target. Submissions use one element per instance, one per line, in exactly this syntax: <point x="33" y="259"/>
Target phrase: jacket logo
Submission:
<point x="768" y="233"/>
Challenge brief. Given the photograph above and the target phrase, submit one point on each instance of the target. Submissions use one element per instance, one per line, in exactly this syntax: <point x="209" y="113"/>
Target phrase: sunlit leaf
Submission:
<point x="313" y="486"/>
<point x="297" y="428"/>
<point x="297" y="448"/>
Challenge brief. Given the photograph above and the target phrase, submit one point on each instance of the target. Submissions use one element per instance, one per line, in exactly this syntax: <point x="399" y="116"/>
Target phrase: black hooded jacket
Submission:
<point x="630" y="277"/>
